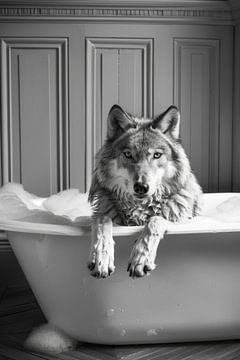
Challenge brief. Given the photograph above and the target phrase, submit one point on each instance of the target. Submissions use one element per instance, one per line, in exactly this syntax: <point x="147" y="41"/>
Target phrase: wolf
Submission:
<point x="142" y="176"/>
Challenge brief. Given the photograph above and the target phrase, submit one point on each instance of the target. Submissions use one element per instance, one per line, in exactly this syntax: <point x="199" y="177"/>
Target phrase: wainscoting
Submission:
<point x="64" y="64"/>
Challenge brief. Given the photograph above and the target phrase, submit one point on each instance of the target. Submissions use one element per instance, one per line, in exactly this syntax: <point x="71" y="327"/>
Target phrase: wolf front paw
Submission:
<point x="101" y="260"/>
<point x="136" y="269"/>
<point x="140" y="263"/>
<point x="142" y="258"/>
<point x="101" y="264"/>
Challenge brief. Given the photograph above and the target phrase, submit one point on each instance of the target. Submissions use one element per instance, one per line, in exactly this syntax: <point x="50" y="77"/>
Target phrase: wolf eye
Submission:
<point x="157" y="155"/>
<point x="128" y="154"/>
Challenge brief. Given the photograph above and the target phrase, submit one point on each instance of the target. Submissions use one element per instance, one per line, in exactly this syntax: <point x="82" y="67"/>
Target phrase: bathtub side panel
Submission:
<point x="192" y="295"/>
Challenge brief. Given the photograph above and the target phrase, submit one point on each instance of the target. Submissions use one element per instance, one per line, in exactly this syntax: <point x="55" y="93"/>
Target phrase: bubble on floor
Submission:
<point x="47" y="338"/>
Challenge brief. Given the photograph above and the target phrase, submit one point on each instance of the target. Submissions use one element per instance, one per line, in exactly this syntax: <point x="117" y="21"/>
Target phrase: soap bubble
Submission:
<point x="67" y="207"/>
<point x="229" y="210"/>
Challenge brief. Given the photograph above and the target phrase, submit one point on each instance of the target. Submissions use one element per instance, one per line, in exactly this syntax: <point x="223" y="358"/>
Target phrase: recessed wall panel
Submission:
<point x="36" y="122"/>
<point x="196" y="76"/>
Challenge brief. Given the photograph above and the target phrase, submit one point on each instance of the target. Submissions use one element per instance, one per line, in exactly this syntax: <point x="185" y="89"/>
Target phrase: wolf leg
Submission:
<point x="145" y="249"/>
<point x="101" y="260"/>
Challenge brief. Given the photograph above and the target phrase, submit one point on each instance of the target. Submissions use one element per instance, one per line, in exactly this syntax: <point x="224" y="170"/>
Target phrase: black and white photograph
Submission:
<point x="119" y="180"/>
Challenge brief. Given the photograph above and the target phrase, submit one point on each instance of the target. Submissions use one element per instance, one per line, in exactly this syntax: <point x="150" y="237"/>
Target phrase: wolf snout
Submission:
<point x="140" y="188"/>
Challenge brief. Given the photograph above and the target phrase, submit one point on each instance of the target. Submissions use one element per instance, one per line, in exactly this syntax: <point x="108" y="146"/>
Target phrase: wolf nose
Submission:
<point x="140" y="188"/>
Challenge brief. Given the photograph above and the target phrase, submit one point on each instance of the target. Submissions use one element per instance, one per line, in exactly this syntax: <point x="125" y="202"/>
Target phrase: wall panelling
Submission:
<point x="35" y="113"/>
<point x="196" y="84"/>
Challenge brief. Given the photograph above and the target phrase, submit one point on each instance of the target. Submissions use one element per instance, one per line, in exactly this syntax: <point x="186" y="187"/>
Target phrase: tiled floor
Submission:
<point x="19" y="313"/>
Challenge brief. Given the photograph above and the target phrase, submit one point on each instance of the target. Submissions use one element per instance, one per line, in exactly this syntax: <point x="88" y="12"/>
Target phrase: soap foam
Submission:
<point x="229" y="210"/>
<point x="66" y="207"/>
<point x="72" y="207"/>
<point x="70" y="203"/>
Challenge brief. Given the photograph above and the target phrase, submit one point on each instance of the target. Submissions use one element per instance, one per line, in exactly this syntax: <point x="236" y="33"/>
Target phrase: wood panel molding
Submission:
<point x="61" y="47"/>
<point x="235" y="6"/>
<point x="236" y="111"/>
<point x="93" y="45"/>
<point x="201" y="11"/>
<point x="196" y="99"/>
<point x="216" y="4"/>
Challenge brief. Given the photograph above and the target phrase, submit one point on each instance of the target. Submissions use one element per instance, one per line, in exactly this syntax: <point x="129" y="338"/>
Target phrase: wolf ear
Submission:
<point x="169" y="122"/>
<point x="118" y="121"/>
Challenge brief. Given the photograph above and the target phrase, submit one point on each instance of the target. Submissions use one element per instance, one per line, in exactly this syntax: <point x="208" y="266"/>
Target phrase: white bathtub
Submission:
<point x="193" y="295"/>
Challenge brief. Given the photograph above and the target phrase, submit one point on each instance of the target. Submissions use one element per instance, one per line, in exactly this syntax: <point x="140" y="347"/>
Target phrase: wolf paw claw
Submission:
<point x="101" y="269"/>
<point x="99" y="274"/>
<point x="139" y="267"/>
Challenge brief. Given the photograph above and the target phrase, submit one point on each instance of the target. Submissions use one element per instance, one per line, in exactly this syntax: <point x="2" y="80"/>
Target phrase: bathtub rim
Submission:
<point x="189" y="227"/>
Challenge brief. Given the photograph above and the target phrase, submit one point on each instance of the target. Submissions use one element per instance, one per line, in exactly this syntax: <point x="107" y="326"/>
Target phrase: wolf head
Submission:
<point x="141" y="155"/>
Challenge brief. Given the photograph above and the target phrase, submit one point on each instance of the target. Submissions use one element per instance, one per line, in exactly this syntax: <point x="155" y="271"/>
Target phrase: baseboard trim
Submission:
<point x="4" y="243"/>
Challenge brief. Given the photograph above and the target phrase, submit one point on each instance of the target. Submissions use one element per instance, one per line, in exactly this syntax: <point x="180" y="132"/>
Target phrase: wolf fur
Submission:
<point x="142" y="177"/>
